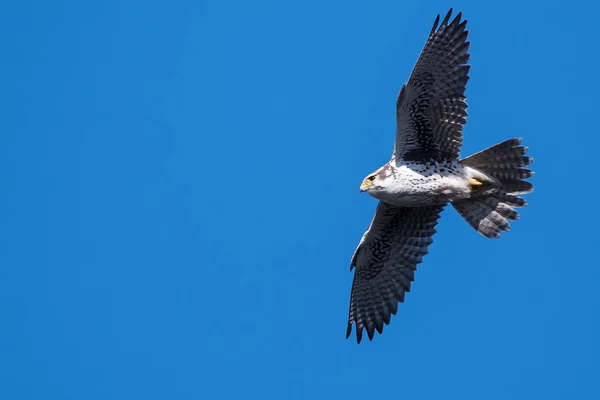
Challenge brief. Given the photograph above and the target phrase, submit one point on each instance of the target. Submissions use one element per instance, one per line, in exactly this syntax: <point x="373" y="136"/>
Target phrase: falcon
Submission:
<point x="426" y="173"/>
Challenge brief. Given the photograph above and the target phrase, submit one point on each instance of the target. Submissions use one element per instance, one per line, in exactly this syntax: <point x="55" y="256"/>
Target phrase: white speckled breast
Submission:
<point x="422" y="184"/>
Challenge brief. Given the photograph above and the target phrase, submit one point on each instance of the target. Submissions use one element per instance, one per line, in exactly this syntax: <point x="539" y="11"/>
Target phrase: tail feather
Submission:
<point x="508" y="174"/>
<point x="501" y="208"/>
<point x="489" y="212"/>
<point x="510" y="199"/>
<point x="483" y="217"/>
<point x="517" y="187"/>
<point x="510" y="149"/>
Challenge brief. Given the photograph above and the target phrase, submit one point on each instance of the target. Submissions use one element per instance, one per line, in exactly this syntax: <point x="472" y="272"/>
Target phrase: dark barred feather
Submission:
<point x="489" y="213"/>
<point x="431" y="108"/>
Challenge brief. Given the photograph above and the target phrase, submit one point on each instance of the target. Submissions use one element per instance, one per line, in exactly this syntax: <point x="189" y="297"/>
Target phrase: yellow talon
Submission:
<point x="475" y="183"/>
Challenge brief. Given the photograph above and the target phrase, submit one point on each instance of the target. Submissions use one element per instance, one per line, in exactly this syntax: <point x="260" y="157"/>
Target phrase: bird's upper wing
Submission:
<point x="431" y="108"/>
<point x="385" y="260"/>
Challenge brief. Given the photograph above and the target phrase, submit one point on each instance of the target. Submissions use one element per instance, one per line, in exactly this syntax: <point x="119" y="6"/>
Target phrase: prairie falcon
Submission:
<point x="424" y="174"/>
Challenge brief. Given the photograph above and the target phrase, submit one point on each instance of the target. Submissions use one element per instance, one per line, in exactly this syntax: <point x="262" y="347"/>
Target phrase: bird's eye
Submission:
<point x="371" y="178"/>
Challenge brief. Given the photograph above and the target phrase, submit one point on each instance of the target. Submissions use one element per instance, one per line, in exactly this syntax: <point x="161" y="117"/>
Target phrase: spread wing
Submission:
<point x="431" y="109"/>
<point x="385" y="260"/>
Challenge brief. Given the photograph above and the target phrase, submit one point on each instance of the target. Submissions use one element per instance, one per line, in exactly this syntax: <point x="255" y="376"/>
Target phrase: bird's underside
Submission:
<point x="425" y="173"/>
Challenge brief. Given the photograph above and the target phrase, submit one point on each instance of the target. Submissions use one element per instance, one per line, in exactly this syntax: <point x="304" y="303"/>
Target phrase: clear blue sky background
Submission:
<point x="180" y="202"/>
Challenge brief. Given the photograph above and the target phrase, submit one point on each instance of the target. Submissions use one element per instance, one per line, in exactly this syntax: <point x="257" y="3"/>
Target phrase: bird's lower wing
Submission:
<point x="385" y="261"/>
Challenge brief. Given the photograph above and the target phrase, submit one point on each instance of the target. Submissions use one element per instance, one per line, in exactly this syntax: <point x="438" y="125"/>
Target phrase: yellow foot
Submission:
<point x="475" y="184"/>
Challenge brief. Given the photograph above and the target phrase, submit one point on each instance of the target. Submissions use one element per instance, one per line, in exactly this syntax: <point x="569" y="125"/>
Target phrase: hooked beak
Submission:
<point x="364" y="187"/>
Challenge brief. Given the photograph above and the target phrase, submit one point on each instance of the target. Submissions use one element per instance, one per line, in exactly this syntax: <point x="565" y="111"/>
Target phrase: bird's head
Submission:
<point x="376" y="181"/>
<point x="368" y="183"/>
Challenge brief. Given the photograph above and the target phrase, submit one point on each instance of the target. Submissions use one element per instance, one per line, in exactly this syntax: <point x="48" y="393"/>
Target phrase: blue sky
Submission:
<point x="180" y="202"/>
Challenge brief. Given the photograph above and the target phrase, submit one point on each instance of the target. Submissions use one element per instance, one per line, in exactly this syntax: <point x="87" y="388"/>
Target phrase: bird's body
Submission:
<point x="418" y="184"/>
<point x="425" y="174"/>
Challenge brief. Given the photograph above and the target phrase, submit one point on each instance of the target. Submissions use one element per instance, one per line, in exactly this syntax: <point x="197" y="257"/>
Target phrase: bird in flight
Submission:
<point x="424" y="174"/>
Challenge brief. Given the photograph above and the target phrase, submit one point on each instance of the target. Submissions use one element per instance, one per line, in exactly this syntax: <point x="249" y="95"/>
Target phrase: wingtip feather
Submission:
<point x="435" y="25"/>
<point x="446" y="18"/>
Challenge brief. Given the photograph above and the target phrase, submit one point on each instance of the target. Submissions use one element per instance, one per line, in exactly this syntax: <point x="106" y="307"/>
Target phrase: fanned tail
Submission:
<point x="490" y="211"/>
